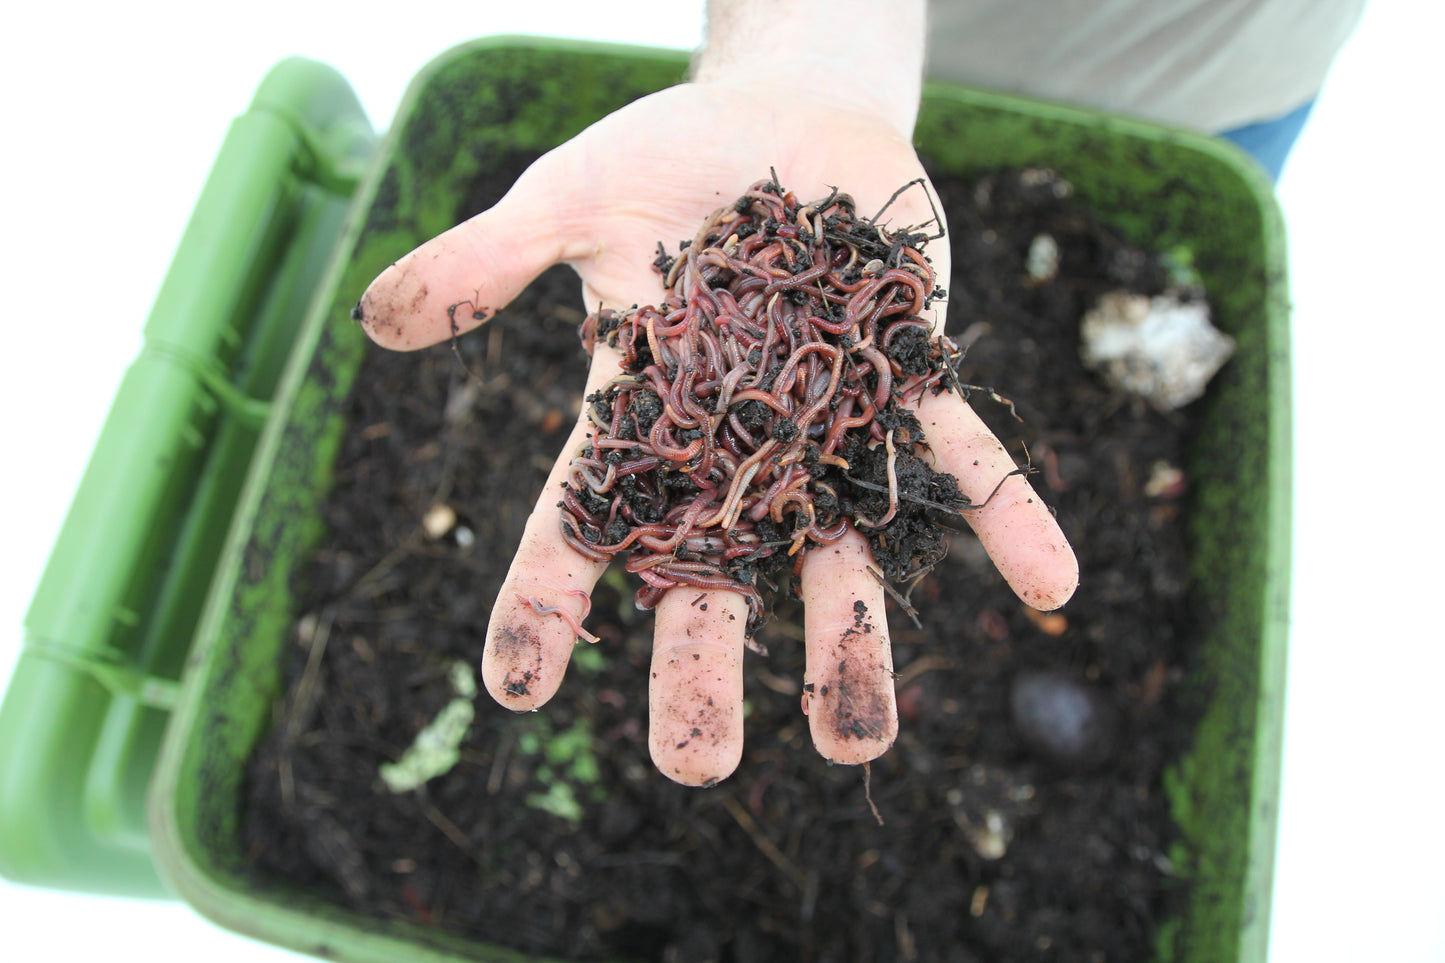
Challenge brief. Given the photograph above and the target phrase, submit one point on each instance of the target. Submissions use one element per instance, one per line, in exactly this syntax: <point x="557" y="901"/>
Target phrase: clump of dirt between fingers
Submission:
<point x="553" y="834"/>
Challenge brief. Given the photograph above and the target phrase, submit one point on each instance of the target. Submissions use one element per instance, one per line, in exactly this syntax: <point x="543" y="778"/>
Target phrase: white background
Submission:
<point x="113" y="114"/>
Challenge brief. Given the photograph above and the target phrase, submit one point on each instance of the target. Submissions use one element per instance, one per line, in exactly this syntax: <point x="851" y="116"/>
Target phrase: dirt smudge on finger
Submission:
<point x="860" y="710"/>
<point x="515" y="646"/>
<point x="855" y="692"/>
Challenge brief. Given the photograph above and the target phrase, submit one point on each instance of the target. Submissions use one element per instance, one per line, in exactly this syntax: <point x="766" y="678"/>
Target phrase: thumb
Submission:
<point x="462" y="277"/>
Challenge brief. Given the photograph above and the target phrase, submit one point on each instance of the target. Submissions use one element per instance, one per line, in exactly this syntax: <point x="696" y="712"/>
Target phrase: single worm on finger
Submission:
<point x="573" y="622"/>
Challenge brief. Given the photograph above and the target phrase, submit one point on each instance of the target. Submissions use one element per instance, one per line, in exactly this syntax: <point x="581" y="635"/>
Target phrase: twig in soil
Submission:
<point x="305" y="694"/>
<point x="893" y="593"/>
<point x="868" y="791"/>
<point x="449" y="829"/>
<point x="478" y="314"/>
<point x="498" y="771"/>
<point x="362" y="587"/>
<point x="907" y="945"/>
<point x="936" y="220"/>
<point x="965" y="391"/>
<point x="953" y="517"/>
<point x="956" y="520"/>
<point x="924" y="664"/>
<point x="765" y="845"/>
<point x="302" y="702"/>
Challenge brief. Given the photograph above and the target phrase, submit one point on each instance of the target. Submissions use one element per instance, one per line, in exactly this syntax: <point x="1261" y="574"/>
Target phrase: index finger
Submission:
<point x="532" y="629"/>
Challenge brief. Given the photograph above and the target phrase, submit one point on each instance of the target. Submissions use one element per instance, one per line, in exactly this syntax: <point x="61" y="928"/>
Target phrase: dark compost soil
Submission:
<point x="1022" y="811"/>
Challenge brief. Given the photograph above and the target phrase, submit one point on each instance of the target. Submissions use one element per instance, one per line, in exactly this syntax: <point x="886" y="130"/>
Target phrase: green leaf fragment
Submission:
<point x="437" y="746"/>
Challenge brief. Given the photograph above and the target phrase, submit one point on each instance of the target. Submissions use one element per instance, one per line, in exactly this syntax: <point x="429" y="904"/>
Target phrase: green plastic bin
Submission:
<point x="482" y="100"/>
<point x="109" y="628"/>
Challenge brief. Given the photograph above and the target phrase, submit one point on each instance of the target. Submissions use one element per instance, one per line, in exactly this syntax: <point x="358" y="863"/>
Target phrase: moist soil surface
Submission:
<point x="1020" y="816"/>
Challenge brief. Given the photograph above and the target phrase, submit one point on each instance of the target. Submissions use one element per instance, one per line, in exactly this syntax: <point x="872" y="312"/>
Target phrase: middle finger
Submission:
<point x="695" y="709"/>
<point x="848" y="684"/>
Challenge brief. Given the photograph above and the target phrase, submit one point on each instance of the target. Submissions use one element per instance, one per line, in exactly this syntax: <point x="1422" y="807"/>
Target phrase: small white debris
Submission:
<point x="1165" y="481"/>
<point x="1162" y="349"/>
<point x="306" y="627"/>
<point x="992" y="838"/>
<point x="1046" y="177"/>
<point x="461" y="402"/>
<point x="438" y="520"/>
<point x="1042" y="262"/>
<point x="466" y="538"/>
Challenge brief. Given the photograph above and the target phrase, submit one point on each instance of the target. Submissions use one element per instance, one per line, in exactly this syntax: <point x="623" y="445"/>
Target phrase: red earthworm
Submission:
<point x="573" y="504"/>
<point x="833" y="327"/>
<point x="796" y="280"/>
<point x="636" y="466"/>
<point x="766" y="397"/>
<point x="916" y="389"/>
<point x="653" y="579"/>
<point x="572" y="535"/>
<point x="659" y="534"/>
<point x="800" y="537"/>
<point x="685" y="398"/>
<point x="733" y="350"/>
<point x="770" y="341"/>
<point x="739" y="551"/>
<point x="728" y="385"/>
<point x="843" y="421"/>
<point x="830" y="534"/>
<point x="613" y="444"/>
<point x="652" y="343"/>
<point x="669" y="451"/>
<point x="746" y="471"/>
<point x="897" y="328"/>
<point x="784" y="381"/>
<point x="835" y="374"/>
<point x="795" y="497"/>
<point x="716" y="581"/>
<point x="919" y="287"/>
<point x="764" y="505"/>
<point x="885" y="375"/>
<point x="711" y="351"/>
<point x="739" y="430"/>
<point x="573" y="622"/>
<point x="581" y="471"/>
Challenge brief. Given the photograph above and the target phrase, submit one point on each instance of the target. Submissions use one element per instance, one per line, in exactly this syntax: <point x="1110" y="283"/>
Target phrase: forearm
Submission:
<point x="857" y="53"/>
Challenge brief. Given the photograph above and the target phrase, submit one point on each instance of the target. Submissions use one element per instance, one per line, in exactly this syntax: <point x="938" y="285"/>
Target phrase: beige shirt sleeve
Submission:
<point x="1208" y="65"/>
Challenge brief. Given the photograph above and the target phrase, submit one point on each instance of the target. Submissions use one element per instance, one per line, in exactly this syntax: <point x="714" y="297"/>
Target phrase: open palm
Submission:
<point x="652" y="172"/>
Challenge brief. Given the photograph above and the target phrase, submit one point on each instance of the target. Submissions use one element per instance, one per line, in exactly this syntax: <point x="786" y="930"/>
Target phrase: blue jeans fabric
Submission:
<point x="1269" y="142"/>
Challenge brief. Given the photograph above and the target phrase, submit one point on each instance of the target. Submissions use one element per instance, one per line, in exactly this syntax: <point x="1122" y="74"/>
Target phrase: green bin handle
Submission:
<point x="109" y="628"/>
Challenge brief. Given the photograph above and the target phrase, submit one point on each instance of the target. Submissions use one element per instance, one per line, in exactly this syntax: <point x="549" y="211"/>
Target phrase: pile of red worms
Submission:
<point x="762" y="405"/>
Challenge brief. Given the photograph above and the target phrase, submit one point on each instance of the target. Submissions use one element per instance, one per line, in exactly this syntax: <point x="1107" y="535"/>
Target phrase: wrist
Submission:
<point x="854" y="54"/>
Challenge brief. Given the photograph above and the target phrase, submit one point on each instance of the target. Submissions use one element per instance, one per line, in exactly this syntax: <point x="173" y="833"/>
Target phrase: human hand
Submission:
<point x="601" y="202"/>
